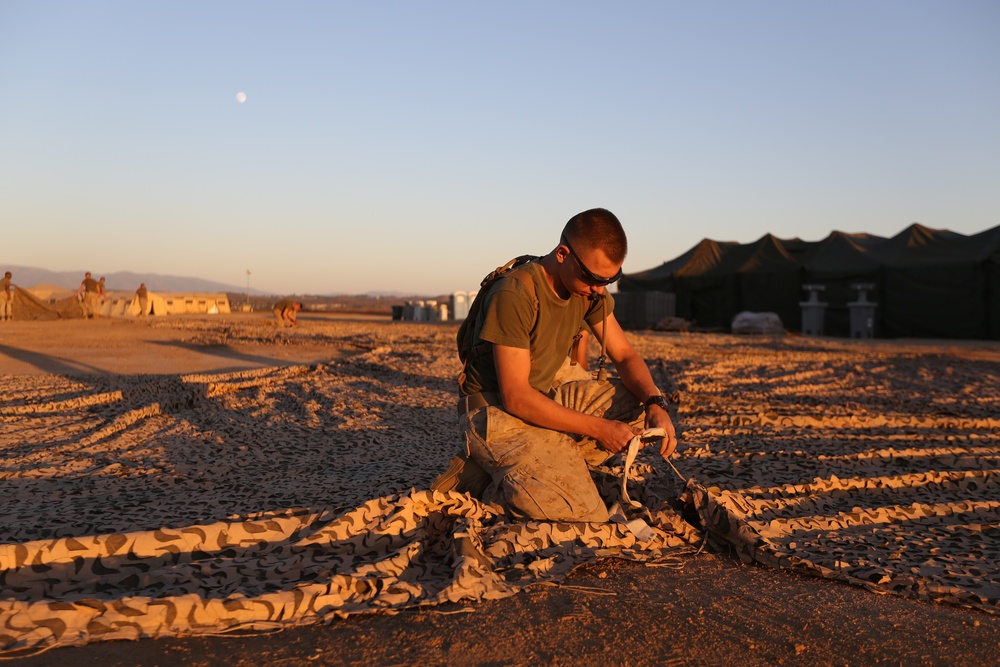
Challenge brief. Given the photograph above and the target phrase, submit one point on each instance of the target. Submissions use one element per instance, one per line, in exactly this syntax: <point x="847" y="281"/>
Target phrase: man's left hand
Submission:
<point x="657" y="417"/>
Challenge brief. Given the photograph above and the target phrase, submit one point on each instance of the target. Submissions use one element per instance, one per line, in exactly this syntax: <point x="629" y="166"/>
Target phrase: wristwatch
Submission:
<point x="656" y="399"/>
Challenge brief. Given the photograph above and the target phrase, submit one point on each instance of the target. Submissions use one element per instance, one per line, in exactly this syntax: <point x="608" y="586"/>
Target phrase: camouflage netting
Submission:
<point x="29" y="307"/>
<point x="144" y="506"/>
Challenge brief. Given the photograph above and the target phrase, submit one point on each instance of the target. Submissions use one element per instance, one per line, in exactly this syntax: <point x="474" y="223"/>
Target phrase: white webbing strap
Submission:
<point x="637" y="527"/>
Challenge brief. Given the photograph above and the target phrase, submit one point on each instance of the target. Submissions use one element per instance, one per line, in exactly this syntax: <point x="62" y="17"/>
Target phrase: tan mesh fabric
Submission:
<point x="855" y="462"/>
<point x="390" y="553"/>
<point x="153" y="505"/>
<point x="29" y="307"/>
<point x="146" y="506"/>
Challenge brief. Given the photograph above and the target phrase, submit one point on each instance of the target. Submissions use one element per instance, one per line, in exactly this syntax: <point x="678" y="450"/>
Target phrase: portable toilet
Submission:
<point x="862" y="312"/>
<point x="419" y="311"/>
<point x="812" y="311"/>
<point x="460" y="305"/>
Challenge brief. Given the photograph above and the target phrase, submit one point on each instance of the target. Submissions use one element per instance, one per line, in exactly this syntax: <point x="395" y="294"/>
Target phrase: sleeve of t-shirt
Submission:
<point x="595" y="313"/>
<point x="509" y="315"/>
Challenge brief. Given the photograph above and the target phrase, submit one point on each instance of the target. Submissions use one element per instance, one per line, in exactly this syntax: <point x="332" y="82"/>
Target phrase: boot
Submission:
<point x="463" y="476"/>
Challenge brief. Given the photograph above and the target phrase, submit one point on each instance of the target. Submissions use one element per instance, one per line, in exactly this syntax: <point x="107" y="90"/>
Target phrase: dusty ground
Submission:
<point x="714" y="610"/>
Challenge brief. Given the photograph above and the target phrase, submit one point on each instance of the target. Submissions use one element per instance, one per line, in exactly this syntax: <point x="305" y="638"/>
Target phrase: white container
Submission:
<point x="460" y="305"/>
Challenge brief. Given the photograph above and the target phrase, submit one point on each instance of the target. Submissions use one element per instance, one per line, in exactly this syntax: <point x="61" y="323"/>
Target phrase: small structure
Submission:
<point x="862" y="312"/>
<point x="812" y="311"/>
<point x="460" y="305"/>
<point x="456" y="308"/>
<point x="421" y="311"/>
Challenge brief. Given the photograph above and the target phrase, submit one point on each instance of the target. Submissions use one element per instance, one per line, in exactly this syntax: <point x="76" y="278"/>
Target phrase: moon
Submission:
<point x="241" y="97"/>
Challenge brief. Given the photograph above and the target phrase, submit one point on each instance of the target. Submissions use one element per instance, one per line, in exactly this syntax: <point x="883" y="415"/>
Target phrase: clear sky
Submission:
<point x="413" y="146"/>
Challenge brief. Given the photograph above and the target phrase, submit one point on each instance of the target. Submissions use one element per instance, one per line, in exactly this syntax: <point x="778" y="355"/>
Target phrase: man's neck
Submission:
<point x="550" y="268"/>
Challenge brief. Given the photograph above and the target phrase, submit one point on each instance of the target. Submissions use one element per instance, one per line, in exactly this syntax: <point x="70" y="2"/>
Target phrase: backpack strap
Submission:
<point x="522" y="276"/>
<point x="485" y="347"/>
<point x="574" y="350"/>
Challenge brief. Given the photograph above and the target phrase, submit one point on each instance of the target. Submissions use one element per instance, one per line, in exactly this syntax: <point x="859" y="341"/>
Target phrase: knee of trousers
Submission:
<point x="568" y="499"/>
<point x="536" y="473"/>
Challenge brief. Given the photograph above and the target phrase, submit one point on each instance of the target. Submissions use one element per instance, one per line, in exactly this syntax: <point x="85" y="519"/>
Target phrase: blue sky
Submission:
<point x="414" y="146"/>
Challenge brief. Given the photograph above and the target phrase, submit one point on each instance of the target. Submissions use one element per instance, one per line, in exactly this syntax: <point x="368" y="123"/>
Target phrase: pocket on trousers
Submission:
<point x="550" y="500"/>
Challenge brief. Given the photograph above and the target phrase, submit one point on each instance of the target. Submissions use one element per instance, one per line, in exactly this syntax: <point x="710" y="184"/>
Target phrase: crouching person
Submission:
<point x="286" y="311"/>
<point x="528" y="445"/>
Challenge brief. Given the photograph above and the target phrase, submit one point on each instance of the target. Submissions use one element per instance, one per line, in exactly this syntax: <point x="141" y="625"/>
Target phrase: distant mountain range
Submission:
<point x="26" y="276"/>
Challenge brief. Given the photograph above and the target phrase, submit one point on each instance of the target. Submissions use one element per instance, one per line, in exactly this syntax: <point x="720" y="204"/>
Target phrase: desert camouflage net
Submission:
<point x="29" y="307"/>
<point x="839" y="460"/>
<point x="144" y="506"/>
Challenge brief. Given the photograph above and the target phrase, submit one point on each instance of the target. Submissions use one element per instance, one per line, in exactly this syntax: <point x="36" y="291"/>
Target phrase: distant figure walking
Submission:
<point x="285" y="310"/>
<point x="142" y="294"/>
<point x="91" y="296"/>
<point x="6" y="298"/>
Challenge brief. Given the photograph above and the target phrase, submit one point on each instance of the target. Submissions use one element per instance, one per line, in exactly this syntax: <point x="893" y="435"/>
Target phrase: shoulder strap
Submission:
<point x="515" y="268"/>
<point x="522" y="276"/>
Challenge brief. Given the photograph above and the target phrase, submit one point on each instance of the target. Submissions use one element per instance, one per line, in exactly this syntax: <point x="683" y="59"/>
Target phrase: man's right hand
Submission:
<point x="615" y="436"/>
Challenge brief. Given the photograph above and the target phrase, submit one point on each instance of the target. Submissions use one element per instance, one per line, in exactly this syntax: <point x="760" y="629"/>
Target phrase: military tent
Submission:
<point x="927" y="282"/>
<point x="175" y="303"/>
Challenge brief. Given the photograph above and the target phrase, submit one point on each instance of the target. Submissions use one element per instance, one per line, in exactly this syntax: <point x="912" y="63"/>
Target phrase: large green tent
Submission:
<point x="927" y="283"/>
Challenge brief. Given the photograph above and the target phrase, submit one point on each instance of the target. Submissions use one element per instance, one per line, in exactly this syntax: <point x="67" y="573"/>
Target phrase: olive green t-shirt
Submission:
<point x="508" y="318"/>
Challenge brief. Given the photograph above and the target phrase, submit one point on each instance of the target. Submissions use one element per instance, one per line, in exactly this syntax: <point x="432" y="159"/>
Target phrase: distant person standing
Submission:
<point x="101" y="290"/>
<point x="91" y="296"/>
<point x="142" y="294"/>
<point x="285" y="312"/>
<point x="6" y="298"/>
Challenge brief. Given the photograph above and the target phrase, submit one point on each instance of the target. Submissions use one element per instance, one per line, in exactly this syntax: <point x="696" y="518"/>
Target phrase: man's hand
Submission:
<point x="657" y="417"/>
<point x="635" y="375"/>
<point x="615" y="436"/>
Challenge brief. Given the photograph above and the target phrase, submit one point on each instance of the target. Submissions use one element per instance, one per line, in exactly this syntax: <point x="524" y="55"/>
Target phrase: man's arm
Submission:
<point x="520" y="399"/>
<point x="635" y="375"/>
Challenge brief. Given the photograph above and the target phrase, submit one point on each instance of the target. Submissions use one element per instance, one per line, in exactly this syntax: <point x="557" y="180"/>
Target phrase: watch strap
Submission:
<point x="656" y="399"/>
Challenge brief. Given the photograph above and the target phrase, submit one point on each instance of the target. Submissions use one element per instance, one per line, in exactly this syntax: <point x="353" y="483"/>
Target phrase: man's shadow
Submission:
<point x="49" y="363"/>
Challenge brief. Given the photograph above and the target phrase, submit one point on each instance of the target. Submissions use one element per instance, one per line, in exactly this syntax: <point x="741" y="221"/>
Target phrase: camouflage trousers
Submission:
<point x="538" y="473"/>
<point x="91" y="304"/>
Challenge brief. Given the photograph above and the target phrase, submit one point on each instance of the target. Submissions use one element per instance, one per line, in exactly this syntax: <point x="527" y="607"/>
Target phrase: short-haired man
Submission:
<point x="285" y="312"/>
<point x="535" y="441"/>
<point x="6" y="297"/>
<point x="91" y="296"/>
<point x="142" y="295"/>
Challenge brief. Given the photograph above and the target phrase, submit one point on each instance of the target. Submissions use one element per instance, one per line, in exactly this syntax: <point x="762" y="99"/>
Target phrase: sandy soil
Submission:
<point x="185" y="344"/>
<point x="713" y="610"/>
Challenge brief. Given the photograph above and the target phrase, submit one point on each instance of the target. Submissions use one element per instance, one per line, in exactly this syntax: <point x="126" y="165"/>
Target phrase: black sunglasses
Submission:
<point x="589" y="276"/>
